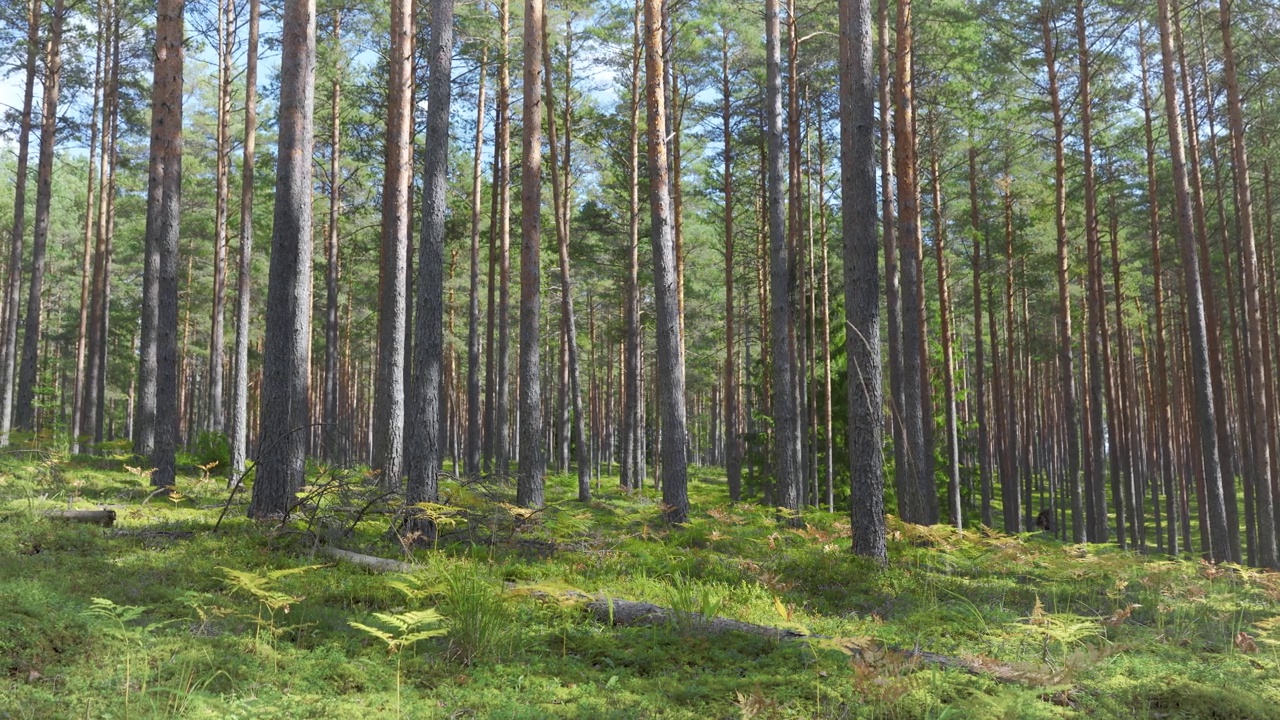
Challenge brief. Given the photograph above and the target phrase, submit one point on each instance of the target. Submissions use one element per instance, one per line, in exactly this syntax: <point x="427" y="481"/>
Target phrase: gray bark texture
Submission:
<point x="425" y="446"/>
<point x="530" y="489"/>
<point x="673" y="440"/>
<point x="239" y="436"/>
<point x="861" y="280"/>
<point x="284" y="415"/>
<point x="389" y="394"/>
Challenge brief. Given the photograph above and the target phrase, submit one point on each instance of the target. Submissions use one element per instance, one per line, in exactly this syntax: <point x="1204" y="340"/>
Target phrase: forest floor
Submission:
<point x="168" y="614"/>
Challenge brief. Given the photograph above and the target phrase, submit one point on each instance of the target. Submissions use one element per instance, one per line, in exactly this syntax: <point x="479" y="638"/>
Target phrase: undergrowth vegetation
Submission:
<point x="180" y="611"/>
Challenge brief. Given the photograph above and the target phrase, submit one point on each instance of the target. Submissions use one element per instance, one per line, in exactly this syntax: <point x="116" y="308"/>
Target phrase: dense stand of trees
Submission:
<point x="1058" y="215"/>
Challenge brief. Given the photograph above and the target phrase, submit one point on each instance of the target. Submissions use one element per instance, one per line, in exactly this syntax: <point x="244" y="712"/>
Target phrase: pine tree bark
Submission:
<point x="283" y="415"/>
<point x="240" y="373"/>
<point x="424" y="449"/>
<point x="13" y="289"/>
<point x="328" y="427"/>
<point x="560" y="187"/>
<point x="944" y="323"/>
<point x="673" y="440"/>
<point x="473" y="434"/>
<point x="632" y="466"/>
<point x="984" y="440"/>
<point x="1204" y="412"/>
<point x="389" y="397"/>
<point x="861" y="280"/>
<point x="530" y="487"/>
<point x="1256" y="362"/>
<point x="785" y="400"/>
<point x="24" y="413"/>
<point x="1066" y="353"/>
<point x="502" y="399"/>
<point x="214" y="419"/>
<point x="732" y="441"/>
<point x="90" y="224"/>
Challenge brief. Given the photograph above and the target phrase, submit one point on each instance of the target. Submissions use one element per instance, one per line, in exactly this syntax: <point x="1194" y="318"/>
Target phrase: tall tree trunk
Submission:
<point x="530" y="488"/>
<point x="984" y="440"/>
<point x="917" y="483"/>
<point x="330" y="437"/>
<point x="215" y="417"/>
<point x="632" y="472"/>
<point x="13" y="289"/>
<point x="1094" y="477"/>
<point x="1066" y="353"/>
<point x="397" y="217"/>
<point x="90" y="224"/>
<point x="244" y="272"/>
<point x="861" y="280"/>
<point x="473" y="437"/>
<point x="944" y="323"/>
<point x="560" y="186"/>
<point x="283" y="417"/>
<point x="785" y="400"/>
<point x="425" y="450"/>
<point x="502" y="149"/>
<point x="24" y="413"/>
<point x="162" y="233"/>
<point x="732" y="441"/>
<point x="1256" y="362"/>
<point x="1204" y="415"/>
<point x="671" y="400"/>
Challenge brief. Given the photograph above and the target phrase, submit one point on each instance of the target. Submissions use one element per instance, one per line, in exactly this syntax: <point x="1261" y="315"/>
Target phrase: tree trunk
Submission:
<point x="530" y="489"/>
<point x="240" y="381"/>
<point x="1256" y="363"/>
<point x="13" y="289"/>
<point x="502" y="149"/>
<point x="632" y="473"/>
<point x="24" y="414"/>
<point x="560" y="185"/>
<point x="785" y="399"/>
<point x="861" y="281"/>
<point x="732" y="442"/>
<point x="214" y="416"/>
<point x="425" y="449"/>
<point x="473" y="437"/>
<point x="282" y="437"/>
<point x="674" y="436"/>
<point x="330" y="437"/>
<point x="1204" y="416"/>
<point x="944" y="323"/>
<point x="90" y="224"/>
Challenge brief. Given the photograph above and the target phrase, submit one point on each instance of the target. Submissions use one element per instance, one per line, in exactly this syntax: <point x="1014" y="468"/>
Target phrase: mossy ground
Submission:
<point x="1092" y="631"/>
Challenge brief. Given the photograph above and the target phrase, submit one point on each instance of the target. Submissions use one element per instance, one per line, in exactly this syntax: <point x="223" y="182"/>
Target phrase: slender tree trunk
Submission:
<point x="13" y="290"/>
<point x="428" y="392"/>
<point x="1256" y="363"/>
<point x="283" y="417"/>
<point x="397" y="217"/>
<point x="214" y="417"/>
<point x="861" y="280"/>
<point x="329" y="422"/>
<point x="1204" y="416"/>
<point x="473" y="436"/>
<point x="244" y="272"/>
<point x="944" y="322"/>
<point x="530" y="488"/>
<point x="24" y="413"/>
<point x="502" y="445"/>
<point x="732" y="442"/>
<point x="785" y="401"/>
<point x="560" y="185"/>
<point x="984" y="441"/>
<point x="673" y="439"/>
<point x="90" y="224"/>
<point x="632" y="473"/>
<point x="1066" y="354"/>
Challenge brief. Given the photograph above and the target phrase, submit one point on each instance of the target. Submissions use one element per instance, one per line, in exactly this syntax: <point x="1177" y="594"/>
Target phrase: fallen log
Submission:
<point x="625" y="613"/>
<point x="376" y="564"/>
<point x="104" y="517"/>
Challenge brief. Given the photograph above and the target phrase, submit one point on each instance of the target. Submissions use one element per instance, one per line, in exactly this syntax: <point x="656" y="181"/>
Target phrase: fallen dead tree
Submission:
<point x="103" y="517"/>
<point x="376" y="564"/>
<point x="631" y="613"/>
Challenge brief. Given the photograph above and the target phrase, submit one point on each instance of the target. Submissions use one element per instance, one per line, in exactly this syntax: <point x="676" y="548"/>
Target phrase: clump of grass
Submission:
<point x="479" y="617"/>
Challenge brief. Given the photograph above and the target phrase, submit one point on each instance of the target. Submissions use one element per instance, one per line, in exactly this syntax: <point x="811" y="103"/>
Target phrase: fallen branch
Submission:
<point x="105" y="518"/>
<point x="369" y="561"/>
